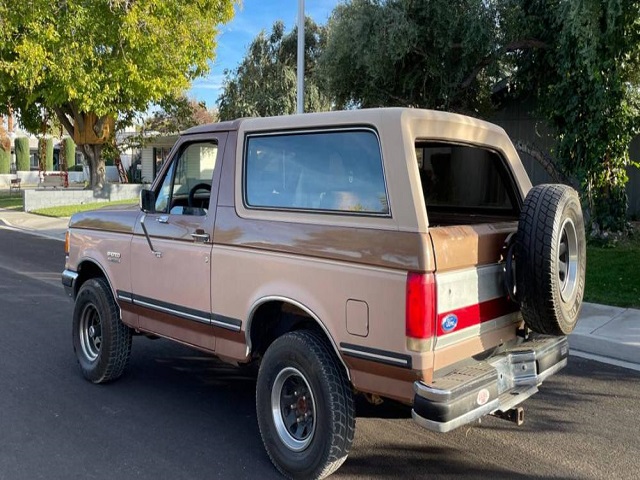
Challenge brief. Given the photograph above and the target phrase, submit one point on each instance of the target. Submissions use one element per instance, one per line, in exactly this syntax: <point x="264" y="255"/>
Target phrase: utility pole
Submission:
<point x="300" y="105"/>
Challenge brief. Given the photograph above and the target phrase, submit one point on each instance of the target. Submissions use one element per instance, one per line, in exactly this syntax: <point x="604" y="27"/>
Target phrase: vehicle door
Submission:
<point x="171" y="248"/>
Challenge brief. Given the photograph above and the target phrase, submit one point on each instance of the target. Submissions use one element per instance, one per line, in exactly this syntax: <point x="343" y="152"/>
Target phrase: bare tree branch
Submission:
<point x="545" y="160"/>
<point x="66" y="123"/>
<point x="77" y="116"/>
<point x="525" y="44"/>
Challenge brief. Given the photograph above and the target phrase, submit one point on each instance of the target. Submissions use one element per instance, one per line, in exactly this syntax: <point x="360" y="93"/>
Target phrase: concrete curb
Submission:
<point x="604" y="347"/>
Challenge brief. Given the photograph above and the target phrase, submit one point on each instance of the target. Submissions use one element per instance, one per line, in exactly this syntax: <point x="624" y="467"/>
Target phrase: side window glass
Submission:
<point x="186" y="188"/>
<point x="324" y="171"/>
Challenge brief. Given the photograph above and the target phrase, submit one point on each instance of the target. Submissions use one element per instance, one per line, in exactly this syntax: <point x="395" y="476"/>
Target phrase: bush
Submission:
<point x="5" y="160"/>
<point x="76" y="168"/>
<point x="69" y="147"/>
<point x="23" y="163"/>
<point x="49" y="154"/>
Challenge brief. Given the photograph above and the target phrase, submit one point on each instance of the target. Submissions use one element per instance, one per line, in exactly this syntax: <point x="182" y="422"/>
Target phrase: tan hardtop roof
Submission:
<point x="371" y="116"/>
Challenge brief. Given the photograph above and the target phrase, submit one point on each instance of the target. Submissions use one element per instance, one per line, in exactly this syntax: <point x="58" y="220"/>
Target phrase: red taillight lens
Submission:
<point x="421" y="305"/>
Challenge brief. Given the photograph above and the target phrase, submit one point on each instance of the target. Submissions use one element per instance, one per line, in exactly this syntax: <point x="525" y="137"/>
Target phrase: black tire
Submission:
<point x="550" y="257"/>
<point x="302" y="362"/>
<point x="101" y="341"/>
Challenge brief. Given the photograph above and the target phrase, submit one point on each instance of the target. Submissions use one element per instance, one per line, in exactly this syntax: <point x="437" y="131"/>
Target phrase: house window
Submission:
<point x="160" y="155"/>
<point x="33" y="160"/>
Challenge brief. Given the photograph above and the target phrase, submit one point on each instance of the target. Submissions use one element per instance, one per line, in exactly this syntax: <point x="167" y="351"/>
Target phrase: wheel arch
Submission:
<point x="260" y="313"/>
<point x="87" y="269"/>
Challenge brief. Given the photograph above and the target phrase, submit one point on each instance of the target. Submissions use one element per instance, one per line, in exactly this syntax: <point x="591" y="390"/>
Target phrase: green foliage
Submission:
<point x="587" y="89"/>
<point x="110" y="152"/>
<point x="5" y="161"/>
<point x="178" y="114"/>
<point x="265" y="83"/>
<point x="69" y="147"/>
<point x="23" y="163"/>
<point x="107" y="58"/>
<point x="420" y="53"/>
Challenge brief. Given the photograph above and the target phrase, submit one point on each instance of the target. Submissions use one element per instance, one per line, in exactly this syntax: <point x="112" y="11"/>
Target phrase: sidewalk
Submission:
<point x="609" y="334"/>
<point x="48" y="227"/>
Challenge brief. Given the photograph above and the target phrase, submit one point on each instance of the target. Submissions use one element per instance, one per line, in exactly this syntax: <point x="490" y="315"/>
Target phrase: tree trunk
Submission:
<point x="97" y="169"/>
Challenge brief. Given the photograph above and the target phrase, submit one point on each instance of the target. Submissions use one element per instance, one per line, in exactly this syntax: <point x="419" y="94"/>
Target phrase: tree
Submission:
<point x="421" y="53"/>
<point x="179" y="114"/>
<point x="265" y="83"/>
<point x="587" y="88"/>
<point x="87" y="62"/>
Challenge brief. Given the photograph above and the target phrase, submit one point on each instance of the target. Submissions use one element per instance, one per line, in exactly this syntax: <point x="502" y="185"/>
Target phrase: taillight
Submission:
<point x="421" y="305"/>
<point x="66" y="243"/>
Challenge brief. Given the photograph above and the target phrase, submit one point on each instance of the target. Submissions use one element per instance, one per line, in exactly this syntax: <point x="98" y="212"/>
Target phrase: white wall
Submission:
<point x="33" y="177"/>
<point x="147" y="164"/>
<point x="50" y="197"/>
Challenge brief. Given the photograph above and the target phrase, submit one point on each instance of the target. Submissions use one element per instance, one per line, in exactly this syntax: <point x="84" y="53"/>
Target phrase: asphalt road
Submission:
<point x="177" y="414"/>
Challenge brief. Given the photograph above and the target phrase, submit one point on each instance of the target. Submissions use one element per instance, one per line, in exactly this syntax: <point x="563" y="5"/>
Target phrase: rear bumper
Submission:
<point x="496" y="384"/>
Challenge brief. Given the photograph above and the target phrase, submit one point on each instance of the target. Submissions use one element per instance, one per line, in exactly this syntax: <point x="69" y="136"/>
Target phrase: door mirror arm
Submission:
<point x="146" y="234"/>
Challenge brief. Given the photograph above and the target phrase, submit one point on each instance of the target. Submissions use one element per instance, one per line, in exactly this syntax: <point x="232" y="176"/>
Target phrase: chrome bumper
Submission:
<point x="68" y="280"/>
<point x="496" y="384"/>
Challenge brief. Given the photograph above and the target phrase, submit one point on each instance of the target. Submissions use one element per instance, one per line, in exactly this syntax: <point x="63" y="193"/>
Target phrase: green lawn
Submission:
<point x="68" y="210"/>
<point x="13" y="202"/>
<point x="613" y="273"/>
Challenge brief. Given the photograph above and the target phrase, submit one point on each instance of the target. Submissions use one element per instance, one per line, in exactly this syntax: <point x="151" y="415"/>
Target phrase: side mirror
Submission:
<point x="148" y="201"/>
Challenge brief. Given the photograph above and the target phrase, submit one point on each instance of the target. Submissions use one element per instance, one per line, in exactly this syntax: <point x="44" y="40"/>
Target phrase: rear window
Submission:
<point x="464" y="178"/>
<point x="336" y="171"/>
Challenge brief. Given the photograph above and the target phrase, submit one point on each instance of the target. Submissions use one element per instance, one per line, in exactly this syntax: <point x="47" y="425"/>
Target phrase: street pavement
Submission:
<point x="604" y="333"/>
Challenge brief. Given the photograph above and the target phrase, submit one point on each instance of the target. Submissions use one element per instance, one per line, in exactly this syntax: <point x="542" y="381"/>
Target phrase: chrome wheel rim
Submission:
<point x="293" y="409"/>
<point x="90" y="332"/>
<point x="568" y="260"/>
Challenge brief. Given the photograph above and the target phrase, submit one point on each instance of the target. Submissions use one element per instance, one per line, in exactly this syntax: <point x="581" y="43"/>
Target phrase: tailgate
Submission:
<point x="473" y="312"/>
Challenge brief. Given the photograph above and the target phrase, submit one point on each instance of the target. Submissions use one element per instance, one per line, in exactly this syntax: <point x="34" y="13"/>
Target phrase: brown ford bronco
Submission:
<point x="398" y="253"/>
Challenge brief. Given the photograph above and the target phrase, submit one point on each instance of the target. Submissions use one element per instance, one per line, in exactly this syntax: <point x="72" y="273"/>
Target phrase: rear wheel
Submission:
<point x="304" y="406"/>
<point x="101" y="341"/>
<point x="550" y="258"/>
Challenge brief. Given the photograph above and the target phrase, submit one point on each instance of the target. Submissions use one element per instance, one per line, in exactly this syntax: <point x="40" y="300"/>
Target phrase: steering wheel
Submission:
<point x="194" y="189"/>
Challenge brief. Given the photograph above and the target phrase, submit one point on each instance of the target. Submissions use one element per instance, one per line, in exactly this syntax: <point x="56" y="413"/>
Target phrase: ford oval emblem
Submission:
<point x="449" y="323"/>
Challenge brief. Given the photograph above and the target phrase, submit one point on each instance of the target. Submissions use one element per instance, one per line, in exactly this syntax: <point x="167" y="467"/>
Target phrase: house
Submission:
<point x="153" y="155"/>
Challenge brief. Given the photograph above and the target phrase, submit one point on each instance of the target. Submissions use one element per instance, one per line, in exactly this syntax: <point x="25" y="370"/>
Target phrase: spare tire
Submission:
<point x="550" y="256"/>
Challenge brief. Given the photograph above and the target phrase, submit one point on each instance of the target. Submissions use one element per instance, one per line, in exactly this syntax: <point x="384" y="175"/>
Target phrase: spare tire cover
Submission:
<point x="550" y="257"/>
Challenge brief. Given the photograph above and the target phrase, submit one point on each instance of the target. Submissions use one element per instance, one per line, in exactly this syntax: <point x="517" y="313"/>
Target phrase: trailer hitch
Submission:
<point x="514" y="415"/>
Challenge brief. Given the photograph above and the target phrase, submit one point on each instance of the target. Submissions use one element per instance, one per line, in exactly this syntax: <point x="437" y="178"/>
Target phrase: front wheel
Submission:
<point x="101" y="341"/>
<point x="304" y="406"/>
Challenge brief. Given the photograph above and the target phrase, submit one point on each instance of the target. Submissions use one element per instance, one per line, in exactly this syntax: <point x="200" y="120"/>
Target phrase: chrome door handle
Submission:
<point x="162" y="219"/>
<point x="200" y="236"/>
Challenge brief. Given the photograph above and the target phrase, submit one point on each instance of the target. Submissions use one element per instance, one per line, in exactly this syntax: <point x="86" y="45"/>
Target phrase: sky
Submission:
<point x="251" y="17"/>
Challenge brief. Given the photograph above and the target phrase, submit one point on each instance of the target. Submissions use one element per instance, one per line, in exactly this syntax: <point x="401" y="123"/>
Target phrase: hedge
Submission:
<point x="5" y="160"/>
<point x="23" y="163"/>
<point x="69" y="151"/>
